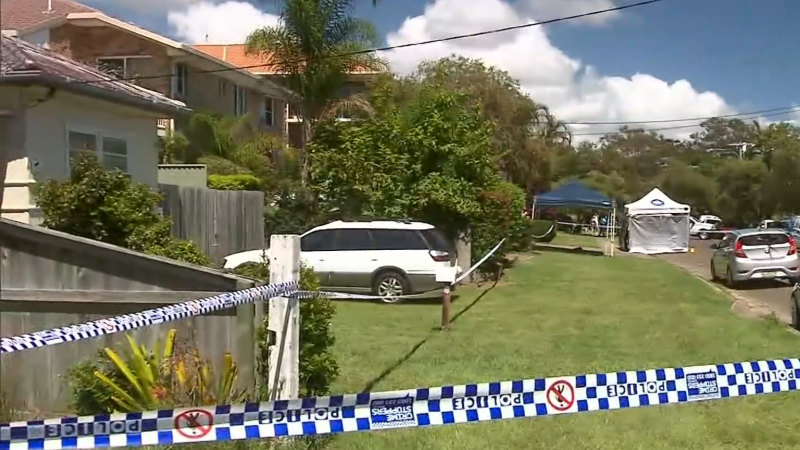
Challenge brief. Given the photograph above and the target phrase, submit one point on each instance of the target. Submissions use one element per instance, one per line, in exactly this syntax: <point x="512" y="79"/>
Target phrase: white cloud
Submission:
<point x="140" y="6"/>
<point x="553" y="9"/>
<point x="574" y="91"/>
<point x="223" y="23"/>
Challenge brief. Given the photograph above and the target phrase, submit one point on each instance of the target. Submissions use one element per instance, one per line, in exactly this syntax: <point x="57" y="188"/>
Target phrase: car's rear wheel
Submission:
<point x="390" y="286"/>
<point x="703" y="235"/>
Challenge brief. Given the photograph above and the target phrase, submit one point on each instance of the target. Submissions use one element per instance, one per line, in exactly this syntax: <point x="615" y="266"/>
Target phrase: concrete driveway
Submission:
<point x="773" y="295"/>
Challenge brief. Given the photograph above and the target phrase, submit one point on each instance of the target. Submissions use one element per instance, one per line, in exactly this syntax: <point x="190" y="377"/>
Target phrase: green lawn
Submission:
<point x="562" y="314"/>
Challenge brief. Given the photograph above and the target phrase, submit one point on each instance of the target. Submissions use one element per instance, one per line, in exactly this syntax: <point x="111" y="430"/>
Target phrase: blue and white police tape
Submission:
<point x="481" y="261"/>
<point x="144" y="318"/>
<point x="411" y="408"/>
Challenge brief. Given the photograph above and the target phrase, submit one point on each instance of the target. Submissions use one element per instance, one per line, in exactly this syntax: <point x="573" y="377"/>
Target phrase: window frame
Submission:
<point x="270" y="112"/>
<point x="99" y="136"/>
<point x="330" y="241"/>
<point x="180" y="79"/>
<point x="239" y="100"/>
<point x="125" y="59"/>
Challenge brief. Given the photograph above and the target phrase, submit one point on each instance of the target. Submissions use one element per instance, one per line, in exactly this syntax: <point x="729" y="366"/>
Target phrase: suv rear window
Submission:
<point x="398" y="240"/>
<point x="437" y="240"/>
<point x="764" y="239"/>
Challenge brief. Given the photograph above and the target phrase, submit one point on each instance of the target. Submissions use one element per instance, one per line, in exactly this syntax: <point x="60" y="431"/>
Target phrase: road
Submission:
<point x="772" y="294"/>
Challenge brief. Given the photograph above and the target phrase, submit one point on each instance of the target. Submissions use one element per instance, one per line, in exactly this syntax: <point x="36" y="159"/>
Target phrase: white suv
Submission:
<point x="385" y="258"/>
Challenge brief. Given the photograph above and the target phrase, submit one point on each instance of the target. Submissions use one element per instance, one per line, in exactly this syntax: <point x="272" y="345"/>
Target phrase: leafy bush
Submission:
<point x="142" y="379"/>
<point x="107" y="206"/>
<point x="217" y="165"/>
<point x="240" y="182"/>
<point x="318" y="367"/>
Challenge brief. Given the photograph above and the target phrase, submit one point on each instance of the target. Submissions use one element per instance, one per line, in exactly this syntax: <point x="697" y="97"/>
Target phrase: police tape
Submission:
<point x="144" y="318"/>
<point x="478" y="264"/>
<point x="413" y="408"/>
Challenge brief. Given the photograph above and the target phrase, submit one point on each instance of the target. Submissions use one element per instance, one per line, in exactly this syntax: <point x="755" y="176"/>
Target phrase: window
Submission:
<point x="239" y="101"/>
<point x="436" y="240"/>
<point x="112" y="66"/>
<point x="356" y="239"/>
<point x="398" y="240"/>
<point x="112" y="152"/>
<point x="223" y="87"/>
<point x="318" y="241"/>
<point x="125" y="67"/>
<point x="267" y="112"/>
<point x="764" y="239"/>
<point x="179" y="81"/>
<point x="81" y="142"/>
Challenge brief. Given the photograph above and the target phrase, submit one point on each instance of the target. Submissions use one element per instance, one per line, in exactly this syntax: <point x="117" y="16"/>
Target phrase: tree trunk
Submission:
<point x="305" y="163"/>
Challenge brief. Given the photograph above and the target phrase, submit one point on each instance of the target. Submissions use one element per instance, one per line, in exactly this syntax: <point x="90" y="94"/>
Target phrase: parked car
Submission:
<point x="795" y="300"/>
<point x="707" y="227"/>
<point x="385" y="258"/>
<point x="754" y="254"/>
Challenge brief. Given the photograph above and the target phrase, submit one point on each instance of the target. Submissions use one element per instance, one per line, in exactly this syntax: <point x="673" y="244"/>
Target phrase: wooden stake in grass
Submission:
<point x="446" y="307"/>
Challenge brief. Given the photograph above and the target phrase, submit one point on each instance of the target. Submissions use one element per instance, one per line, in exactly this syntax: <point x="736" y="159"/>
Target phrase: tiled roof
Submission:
<point x="236" y="55"/>
<point x="23" y="61"/>
<point x="23" y="14"/>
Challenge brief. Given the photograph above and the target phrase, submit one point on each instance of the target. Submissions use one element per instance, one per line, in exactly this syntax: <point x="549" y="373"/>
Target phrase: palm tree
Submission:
<point x="315" y="46"/>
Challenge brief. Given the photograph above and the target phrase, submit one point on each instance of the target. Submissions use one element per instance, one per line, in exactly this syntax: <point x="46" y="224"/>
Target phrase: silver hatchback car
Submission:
<point x="752" y="254"/>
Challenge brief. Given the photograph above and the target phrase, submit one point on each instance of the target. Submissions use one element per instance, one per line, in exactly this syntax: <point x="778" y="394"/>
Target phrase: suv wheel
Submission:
<point x="703" y="235"/>
<point x="389" y="286"/>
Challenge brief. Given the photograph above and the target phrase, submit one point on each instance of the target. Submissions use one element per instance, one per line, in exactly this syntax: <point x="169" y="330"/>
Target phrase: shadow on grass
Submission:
<point x="386" y="372"/>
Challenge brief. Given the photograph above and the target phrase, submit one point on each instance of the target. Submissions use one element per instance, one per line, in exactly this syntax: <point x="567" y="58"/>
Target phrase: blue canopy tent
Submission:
<point x="575" y="194"/>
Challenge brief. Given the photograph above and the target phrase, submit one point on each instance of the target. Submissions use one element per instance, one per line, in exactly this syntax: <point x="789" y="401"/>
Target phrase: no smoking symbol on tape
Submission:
<point x="561" y="395"/>
<point x="194" y="424"/>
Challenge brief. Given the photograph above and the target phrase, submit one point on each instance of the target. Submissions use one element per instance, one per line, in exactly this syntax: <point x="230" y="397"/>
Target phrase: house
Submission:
<point x="357" y="82"/>
<point x="52" y="107"/>
<point x="200" y="80"/>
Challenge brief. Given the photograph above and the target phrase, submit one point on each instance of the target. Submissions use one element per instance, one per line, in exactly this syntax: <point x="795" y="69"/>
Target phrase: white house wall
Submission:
<point x="45" y="153"/>
<point x="16" y="196"/>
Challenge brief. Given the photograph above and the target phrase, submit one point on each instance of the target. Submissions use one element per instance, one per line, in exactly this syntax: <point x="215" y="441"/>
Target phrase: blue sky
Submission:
<point x="745" y="51"/>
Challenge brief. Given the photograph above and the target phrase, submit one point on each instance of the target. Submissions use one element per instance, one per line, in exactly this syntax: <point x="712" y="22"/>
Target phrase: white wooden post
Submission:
<point x="284" y="319"/>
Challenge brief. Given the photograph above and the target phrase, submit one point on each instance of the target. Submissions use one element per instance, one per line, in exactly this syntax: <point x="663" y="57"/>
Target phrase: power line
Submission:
<point x="784" y="109"/>
<point x="667" y="128"/>
<point x="394" y="47"/>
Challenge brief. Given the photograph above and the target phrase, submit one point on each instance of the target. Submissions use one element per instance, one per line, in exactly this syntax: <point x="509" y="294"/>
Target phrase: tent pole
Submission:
<point x="613" y="228"/>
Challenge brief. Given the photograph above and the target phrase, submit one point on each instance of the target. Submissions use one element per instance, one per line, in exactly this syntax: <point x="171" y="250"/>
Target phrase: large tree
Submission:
<point x="524" y="131"/>
<point x="316" y="44"/>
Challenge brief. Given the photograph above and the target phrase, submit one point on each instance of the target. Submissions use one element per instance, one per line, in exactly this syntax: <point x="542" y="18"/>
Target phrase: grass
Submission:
<point x="562" y="314"/>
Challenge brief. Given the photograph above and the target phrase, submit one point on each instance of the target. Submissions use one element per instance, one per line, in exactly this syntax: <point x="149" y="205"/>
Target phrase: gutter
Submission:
<point x="29" y="78"/>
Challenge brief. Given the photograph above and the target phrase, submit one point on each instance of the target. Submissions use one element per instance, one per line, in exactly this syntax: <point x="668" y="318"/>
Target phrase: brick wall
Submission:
<point x="86" y="44"/>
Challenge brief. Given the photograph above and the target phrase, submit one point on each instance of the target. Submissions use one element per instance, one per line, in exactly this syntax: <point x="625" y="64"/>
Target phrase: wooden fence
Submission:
<point x="220" y="222"/>
<point x="50" y="279"/>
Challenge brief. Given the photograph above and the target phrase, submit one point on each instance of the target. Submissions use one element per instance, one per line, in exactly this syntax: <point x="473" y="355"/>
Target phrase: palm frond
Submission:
<point x="353" y="103"/>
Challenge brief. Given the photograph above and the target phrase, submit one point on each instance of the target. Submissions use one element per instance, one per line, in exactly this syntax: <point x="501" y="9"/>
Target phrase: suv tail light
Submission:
<point x="738" y="251"/>
<point x="440" y="256"/>
<point x="792" y="246"/>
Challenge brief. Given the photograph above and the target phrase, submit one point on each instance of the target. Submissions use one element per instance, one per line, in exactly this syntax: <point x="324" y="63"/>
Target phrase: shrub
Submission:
<point x="240" y="182"/>
<point x="105" y="205"/>
<point x="500" y="217"/>
<point x="142" y="379"/>
<point x="318" y="367"/>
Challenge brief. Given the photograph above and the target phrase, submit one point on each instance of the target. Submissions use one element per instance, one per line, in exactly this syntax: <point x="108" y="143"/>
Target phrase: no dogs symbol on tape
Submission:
<point x="561" y="395"/>
<point x="194" y="424"/>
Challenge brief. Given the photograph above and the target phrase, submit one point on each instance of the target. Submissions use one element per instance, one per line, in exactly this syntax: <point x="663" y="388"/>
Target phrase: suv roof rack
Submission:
<point x="376" y="219"/>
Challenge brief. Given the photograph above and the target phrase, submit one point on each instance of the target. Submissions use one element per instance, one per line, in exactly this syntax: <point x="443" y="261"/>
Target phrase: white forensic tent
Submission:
<point x="657" y="224"/>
